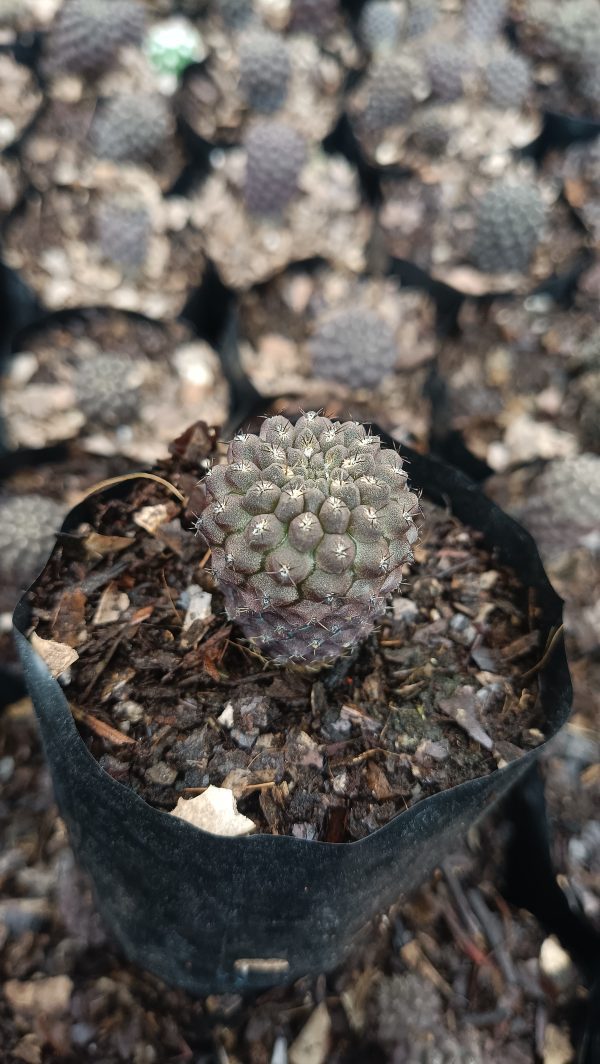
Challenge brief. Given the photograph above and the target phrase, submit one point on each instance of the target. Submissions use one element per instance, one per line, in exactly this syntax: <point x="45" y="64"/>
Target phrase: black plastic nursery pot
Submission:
<point x="212" y="914"/>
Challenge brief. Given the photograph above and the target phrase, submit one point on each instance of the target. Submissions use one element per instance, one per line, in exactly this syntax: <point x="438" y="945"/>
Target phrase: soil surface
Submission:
<point x="170" y="698"/>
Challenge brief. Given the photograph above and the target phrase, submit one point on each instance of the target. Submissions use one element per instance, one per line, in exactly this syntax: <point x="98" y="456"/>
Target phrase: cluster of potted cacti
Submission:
<point x="292" y="544"/>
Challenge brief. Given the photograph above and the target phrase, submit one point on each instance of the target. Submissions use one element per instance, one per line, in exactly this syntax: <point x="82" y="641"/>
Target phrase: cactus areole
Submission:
<point x="309" y="527"/>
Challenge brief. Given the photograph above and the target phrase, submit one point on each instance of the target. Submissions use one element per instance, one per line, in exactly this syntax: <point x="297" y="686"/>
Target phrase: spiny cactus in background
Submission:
<point x="446" y="64"/>
<point x="429" y="130"/>
<point x="86" y="35"/>
<point x="484" y="19"/>
<point x="309" y="527"/>
<point x="265" y="70"/>
<point x="546" y="511"/>
<point x="131" y="127"/>
<point x="508" y="79"/>
<point x="509" y="223"/>
<point x="123" y="232"/>
<point x="28" y="524"/>
<point x="275" y="155"/>
<point x="380" y="25"/>
<point x="353" y="346"/>
<point x="107" y="389"/>
<point x="422" y="15"/>
<point x="570" y="31"/>
<point x="588" y="84"/>
<point x="11" y="11"/>
<point x="389" y="93"/>
<point x="313" y="16"/>
<point x="235" y="13"/>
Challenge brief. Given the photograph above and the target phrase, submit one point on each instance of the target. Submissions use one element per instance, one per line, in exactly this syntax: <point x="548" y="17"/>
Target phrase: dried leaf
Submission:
<point x="214" y="811"/>
<point x="58" y="656"/>
<point x="69" y="623"/>
<point x="378" y="782"/>
<point x="97" y="545"/>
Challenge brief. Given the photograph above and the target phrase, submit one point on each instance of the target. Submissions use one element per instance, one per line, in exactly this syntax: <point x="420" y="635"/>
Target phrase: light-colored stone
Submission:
<point x="214" y="811"/>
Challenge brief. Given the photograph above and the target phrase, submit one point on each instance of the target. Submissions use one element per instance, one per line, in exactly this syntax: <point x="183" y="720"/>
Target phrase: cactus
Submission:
<point x="309" y="527"/>
<point x="86" y="35"/>
<point x="354" y="347"/>
<point x="380" y="25"/>
<point x="313" y="16"/>
<point x="235" y="13"/>
<point x="569" y="31"/>
<point x="123" y="232"/>
<point x="509" y="225"/>
<point x="389" y="89"/>
<point x="131" y="128"/>
<point x="484" y="19"/>
<point x="28" y="524"/>
<point x="265" y="70"/>
<point x="429" y="130"/>
<point x="275" y="155"/>
<point x="422" y="15"/>
<point x="107" y="390"/>
<point x="11" y="12"/>
<point x="446" y="64"/>
<point x="546" y="513"/>
<point x="508" y="79"/>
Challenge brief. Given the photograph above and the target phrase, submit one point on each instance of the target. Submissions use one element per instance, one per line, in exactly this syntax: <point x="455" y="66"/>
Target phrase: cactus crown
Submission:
<point x="309" y="525"/>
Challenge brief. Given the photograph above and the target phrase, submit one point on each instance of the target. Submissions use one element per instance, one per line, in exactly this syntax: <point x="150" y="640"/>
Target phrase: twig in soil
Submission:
<point x="461" y="901"/>
<point x="167" y="591"/>
<point x="413" y="956"/>
<point x="98" y="727"/>
<point x="492" y="927"/>
<point x="133" y="476"/>
<point x="100" y="667"/>
<point x="472" y="951"/>
<point x="550" y="645"/>
<point x="246" y="790"/>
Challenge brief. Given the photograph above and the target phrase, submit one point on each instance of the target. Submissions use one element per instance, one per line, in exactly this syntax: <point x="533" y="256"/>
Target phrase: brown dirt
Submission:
<point x="438" y="696"/>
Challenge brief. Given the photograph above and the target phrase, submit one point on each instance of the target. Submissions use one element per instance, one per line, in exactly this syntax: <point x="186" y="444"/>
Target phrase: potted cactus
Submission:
<point x="358" y="756"/>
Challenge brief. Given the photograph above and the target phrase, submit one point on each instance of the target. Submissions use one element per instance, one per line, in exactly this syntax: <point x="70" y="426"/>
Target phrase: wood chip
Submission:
<point x="58" y="656"/>
<point x="150" y="518"/>
<point x="97" y="545"/>
<point x="312" y="1044"/>
<point x="462" y="708"/>
<point x="112" y="605"/>
<point x="100" y="728"/>
<point x="214" y="811"/>
<point x="49" y="997"/>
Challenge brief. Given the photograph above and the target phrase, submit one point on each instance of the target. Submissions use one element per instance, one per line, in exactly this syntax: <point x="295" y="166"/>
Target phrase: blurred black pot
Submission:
<point x="213" y="914"/>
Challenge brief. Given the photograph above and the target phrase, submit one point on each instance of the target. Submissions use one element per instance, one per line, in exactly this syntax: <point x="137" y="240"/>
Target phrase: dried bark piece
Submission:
<point x="57" y="656"/>
<point x="214" y="811"/>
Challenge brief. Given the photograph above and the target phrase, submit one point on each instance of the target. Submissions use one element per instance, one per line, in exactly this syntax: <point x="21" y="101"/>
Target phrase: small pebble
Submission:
<point x="162" y="774"/>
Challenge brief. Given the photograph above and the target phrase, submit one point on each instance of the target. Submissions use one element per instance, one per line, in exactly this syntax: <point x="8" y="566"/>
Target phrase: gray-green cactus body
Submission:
<point x="309" y="526"/>
<point x="87" y="34"/>
<point x="28" y="526"/>
<point x="510" y="222"/>
<point x="353" y="346"/>
<point x="508" y="79"/>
